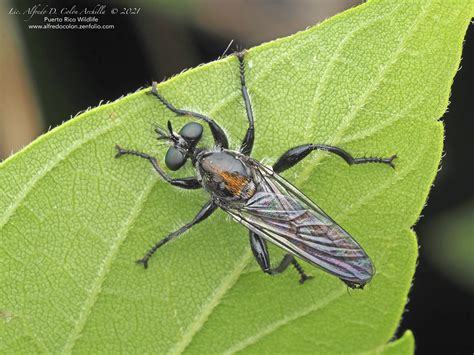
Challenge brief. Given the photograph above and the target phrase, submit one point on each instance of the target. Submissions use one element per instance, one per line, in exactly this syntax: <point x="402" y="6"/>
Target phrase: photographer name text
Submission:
<point x="71" y="13"/>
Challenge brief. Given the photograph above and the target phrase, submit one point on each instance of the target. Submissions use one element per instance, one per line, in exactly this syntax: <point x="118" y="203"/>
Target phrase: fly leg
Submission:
<point x="184" y="183"/>
<point x="220" y="138"/>
<point x="205" y="212"/>
<point x="260" y="251"/>
<point x="247" y="143"/>
<point x="296" y="154"/>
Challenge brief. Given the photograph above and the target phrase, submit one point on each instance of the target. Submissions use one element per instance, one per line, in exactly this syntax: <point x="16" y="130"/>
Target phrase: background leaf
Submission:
<point x="373" y="80"/>
<point x="452" y="246"/>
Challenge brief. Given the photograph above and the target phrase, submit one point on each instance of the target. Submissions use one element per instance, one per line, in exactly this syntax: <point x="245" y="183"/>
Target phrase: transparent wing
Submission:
<point x="283" y="215"/>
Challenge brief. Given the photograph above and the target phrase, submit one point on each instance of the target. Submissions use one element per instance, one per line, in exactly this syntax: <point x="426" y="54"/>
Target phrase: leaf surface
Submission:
<point x="373" y="80"/>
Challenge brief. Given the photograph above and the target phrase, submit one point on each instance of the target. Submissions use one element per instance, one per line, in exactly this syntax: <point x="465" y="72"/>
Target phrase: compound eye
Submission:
<point x="191" y="131"/>
<point x="174" y="159"/>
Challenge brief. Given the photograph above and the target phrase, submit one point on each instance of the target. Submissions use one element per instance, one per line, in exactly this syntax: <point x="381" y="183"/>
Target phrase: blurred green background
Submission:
<point x="47" y="76"/>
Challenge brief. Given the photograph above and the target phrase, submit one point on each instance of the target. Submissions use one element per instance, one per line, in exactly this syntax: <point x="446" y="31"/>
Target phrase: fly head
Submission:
<point x="184" y="143"/>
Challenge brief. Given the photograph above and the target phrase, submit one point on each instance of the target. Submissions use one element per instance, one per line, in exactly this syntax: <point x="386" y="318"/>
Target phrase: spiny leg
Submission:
<point x="218" y="133"/>
<point x="303" y="276"/>
<point x="205" y="212"/>
<point x="296" y="154"/>
<point x="260" y="251"/>
<point x="184" y="183"/>
<point x="247" y="143"/>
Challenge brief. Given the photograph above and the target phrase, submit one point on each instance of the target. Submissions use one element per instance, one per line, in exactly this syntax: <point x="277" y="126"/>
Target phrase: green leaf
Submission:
<point x="373" y="80"/>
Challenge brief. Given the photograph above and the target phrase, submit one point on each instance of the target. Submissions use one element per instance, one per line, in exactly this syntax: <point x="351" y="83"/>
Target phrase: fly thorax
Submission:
<point x="226" y="177"/>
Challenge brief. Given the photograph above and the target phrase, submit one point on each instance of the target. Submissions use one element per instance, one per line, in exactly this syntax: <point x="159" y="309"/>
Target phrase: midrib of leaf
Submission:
<point x="105" y="267"/>
<point x="284" y="321"/>
<point x="48" y="167"/>
<point x="209" y="307"/>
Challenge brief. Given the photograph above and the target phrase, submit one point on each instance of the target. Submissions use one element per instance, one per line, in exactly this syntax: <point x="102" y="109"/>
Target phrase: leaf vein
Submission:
<point x="47" y="168"/>
<point x="346" y="120"/>
<point x="106" y="265"/>
<point x="349" y="117"/>
<point x="284" y="321"/>
<point x="334" y="58"/>
<point x="210" y="306"/>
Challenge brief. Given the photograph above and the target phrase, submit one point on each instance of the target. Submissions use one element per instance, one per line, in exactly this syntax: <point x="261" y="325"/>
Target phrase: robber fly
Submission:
<point x="259" y="198"/>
